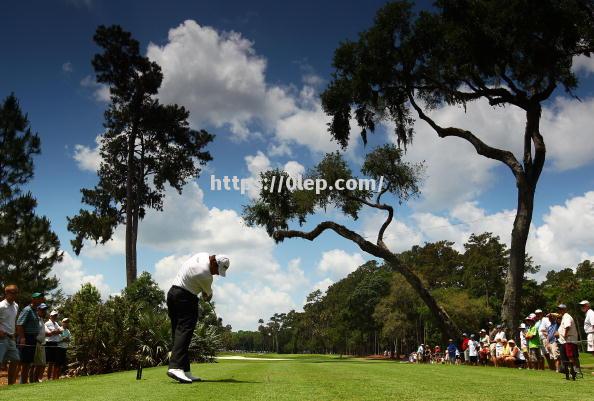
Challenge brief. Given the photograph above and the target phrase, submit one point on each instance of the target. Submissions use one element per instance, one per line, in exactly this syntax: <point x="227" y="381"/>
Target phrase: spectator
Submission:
<point x="568" y="337"/>
<point x="497" y="348"/>
<point x="472" y="350"/>
<point x="65" y="336"/>
<point x="523" y="341"/>
<point x="420" y="353"/>
<point x="535" y="360"/>
<point x="498" y="351"/>
<point x="588" y="325"/>
<point x="464" y="348"/>
<point x="39" y="360"/>
<point x="53" y="331"/>
<point x="452" y="350"/>
<point x="8" y="314"/>
<point x="542" y="323"/>
<point x="515" y="357"/>
<point x="27" y="329"/>
<point x="484" y="337"/>
<point x="552" y="341"/>
<point x="492" y="330"/>
<point x="503" y="354"/>
<point x="484" y="353"/>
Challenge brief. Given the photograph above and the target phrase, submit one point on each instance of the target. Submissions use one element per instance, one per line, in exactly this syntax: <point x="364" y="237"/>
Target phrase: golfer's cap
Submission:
<point x="464" y="335"/>
<point x="450" y="340"/>
<point x="223" y="262"/>
<point x="54" y="313"/>
<point x="511" y="342"/>
<point x="522" y="326"/>
<point x="561" y="306"/>
<point x="538" y="311"/>
<point x="528" y="318"/>
<point x="65" y="320"/>
<point x="36" y="295"/>
<point x="499" y="326"/>
<point x="472" y="336"/>
<point x="42" y="306"/>
<point x="490" y="323"/>
<point x="584" y="302"/>
<point x="532" y="315"/>
<point x="483" y="331"/>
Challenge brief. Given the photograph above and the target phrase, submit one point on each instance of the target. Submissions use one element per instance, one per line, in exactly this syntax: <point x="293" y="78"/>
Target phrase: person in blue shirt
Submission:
<point x="452" y="349"/>
<point x="552" y="341"/>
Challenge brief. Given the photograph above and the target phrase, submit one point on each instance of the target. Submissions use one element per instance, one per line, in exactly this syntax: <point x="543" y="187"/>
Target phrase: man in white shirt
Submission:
<point x="568" y="338"/>
<point x="588" y="324"/>
<point x="8" y="315"/>
<point x="473" y="350"/>
<point x="51" y="345"/>
<point x="194" y="277"/>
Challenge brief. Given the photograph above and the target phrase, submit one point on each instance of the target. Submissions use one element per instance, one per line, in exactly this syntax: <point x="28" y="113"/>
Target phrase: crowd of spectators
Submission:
<point x="30" y="340"/>
<point x="543" y="341"/>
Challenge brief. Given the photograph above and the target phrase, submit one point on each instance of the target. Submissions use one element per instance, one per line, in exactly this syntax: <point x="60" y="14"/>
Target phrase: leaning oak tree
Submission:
<point x="277" y="207"/>
<point x="512" y="53"/>
<point x="28" y="246"/>
<point x="145" y="146"/>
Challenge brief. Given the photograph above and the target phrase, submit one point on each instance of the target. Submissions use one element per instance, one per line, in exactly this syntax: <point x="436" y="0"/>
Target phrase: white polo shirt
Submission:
<point x="195" y="275"/>
<point x="568" y="323"/>
<point x="53" y="326"/>
<point x="8" y="316"/>
<point x="589" y="322"/>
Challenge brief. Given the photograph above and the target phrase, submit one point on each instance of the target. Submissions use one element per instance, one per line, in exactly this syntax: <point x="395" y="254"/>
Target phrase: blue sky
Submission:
<point x="250" y="72"/>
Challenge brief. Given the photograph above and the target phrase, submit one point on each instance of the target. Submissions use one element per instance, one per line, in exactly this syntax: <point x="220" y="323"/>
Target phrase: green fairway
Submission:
<point x="317" y="378"/>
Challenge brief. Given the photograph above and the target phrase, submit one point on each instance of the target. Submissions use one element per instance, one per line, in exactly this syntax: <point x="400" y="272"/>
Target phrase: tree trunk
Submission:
<point x="526" y="181"/>
<point x="130" y="209"/>
<point x="510" y="310"/>
<point x="448" y="328"/>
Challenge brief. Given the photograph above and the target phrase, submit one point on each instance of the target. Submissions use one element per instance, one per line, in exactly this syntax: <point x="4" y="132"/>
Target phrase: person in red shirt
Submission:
<point x="464" y="348"/>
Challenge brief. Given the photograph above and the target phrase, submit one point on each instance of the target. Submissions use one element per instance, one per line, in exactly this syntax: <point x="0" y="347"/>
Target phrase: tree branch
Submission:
<point x="382" y="206"/>
<point x="504" y="156"/>
<point x="341" y="230"/>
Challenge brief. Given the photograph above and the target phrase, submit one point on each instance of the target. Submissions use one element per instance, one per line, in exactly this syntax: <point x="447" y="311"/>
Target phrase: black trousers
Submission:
<point x="182" y="307"/>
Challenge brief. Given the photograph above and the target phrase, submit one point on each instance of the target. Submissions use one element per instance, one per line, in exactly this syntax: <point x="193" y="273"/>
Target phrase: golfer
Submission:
<point x="194" y="277"/>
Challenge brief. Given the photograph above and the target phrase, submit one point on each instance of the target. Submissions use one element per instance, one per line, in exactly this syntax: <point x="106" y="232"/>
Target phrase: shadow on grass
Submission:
<point x="233" y="381"/>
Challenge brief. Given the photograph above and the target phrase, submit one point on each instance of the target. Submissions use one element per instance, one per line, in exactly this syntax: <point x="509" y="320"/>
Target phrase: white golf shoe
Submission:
<point x="193" y="378"/>
<point x="178" y="374"/>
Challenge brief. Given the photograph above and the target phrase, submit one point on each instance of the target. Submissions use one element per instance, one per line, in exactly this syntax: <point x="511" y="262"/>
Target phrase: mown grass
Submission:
<point x="318" y="378"/>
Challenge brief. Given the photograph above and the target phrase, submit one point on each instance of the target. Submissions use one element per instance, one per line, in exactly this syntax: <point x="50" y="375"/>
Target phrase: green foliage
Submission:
<point x="437" y="263"/>
<point x="128" y="329"/>
<point x="145" y="292"/>
<point x="206" y="341"/>
<point x="28" y="246"/>
<point x="275" y="209"/>
<point x="457" y="52"/>
<point x="486" y="261"/>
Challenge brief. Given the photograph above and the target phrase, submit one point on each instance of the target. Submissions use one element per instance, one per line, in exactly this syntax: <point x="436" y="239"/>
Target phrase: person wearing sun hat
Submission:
<point x="27" y="329"/>
<point x="535" y="358"/>
<point x="552" y="341"/>
<point x="195" y="277"/>
<point x="54" y="330"/>
<point x="568" y="338"/>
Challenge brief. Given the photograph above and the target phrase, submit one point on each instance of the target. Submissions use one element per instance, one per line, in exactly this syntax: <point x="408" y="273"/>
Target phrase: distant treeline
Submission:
<point x="374" y="309"/>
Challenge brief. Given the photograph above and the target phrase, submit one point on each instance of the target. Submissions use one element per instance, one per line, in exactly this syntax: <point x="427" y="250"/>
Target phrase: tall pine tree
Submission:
<point x="28" y="246"/>
<point x="146" y="145"/>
